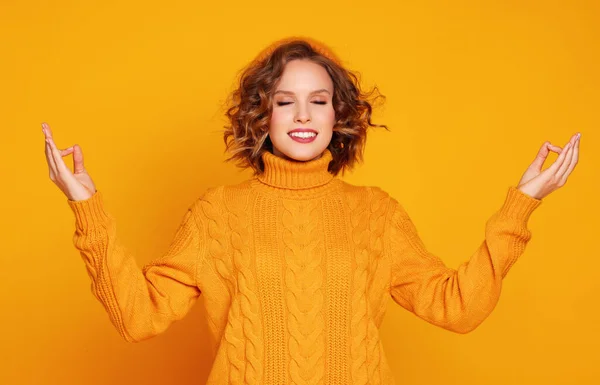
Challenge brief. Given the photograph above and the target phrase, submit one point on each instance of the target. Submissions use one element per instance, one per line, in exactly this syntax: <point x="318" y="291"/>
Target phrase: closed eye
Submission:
<point x="286" y="103"/>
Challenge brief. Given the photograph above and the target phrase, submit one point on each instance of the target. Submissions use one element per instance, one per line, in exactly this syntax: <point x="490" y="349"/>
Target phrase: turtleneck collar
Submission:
<point x="296" y="175"/>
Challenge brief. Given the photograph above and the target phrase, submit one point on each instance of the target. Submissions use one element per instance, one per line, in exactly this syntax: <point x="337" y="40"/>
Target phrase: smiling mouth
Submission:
<point x="302" y="135"/>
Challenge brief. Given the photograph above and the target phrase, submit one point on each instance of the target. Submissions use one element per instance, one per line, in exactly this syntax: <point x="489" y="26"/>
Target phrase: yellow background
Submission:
<point x="473" y="90"/>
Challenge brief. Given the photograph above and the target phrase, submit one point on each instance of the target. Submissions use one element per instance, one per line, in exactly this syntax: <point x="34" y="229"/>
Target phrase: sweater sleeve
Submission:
<point x="141" y="303"/>
<point x="457" y="299"/>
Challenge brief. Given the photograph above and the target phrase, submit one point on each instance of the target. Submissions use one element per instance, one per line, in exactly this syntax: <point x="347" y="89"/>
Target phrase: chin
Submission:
<point x="303" y="155"/>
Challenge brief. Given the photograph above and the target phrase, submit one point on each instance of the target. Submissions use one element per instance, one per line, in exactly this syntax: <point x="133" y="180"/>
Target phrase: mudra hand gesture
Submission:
<point x="538" y="183"/>
<point x="76" y="185"/>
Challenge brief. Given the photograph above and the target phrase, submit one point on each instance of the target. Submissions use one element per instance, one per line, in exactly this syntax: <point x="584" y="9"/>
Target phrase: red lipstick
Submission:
<point x="307" y="135"/>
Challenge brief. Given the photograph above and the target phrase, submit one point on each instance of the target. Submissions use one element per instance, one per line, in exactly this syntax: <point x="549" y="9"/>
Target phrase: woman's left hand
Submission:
<point x="537" y="183"/>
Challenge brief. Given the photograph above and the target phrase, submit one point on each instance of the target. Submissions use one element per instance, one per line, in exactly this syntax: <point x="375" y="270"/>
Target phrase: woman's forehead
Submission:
<point x="306" y="77"/>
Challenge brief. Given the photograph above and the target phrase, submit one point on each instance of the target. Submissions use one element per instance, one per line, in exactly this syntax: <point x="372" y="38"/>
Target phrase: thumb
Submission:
<point x="77" y="160"/>
<point x="542" y="154"/>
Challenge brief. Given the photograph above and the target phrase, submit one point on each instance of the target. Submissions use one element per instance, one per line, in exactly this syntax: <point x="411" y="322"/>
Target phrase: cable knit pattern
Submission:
<point x="296" y="268"/>
<point x="304" y="281"/>
<point x="269" y="270"/>
<point x="376" y="288"/>
<point x="239" y="220"/>
<point x="218" y="245"/>
<point x="359" y="221"/>
<point x="338" y="289"/>
<point x="217" y="238"/>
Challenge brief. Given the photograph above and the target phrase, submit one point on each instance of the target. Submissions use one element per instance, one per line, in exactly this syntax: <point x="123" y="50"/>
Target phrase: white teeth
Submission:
<point x="303" y="134"/>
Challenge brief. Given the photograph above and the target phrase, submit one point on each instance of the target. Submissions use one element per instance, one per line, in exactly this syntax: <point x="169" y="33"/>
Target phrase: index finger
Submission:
<point x="49" y="138"/>
<point x="55" y="153"/>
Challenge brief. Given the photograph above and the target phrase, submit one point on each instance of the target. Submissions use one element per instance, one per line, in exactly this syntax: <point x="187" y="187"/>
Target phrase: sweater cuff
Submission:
<point x="89" y="213"/>
<point x="519" y="205"/>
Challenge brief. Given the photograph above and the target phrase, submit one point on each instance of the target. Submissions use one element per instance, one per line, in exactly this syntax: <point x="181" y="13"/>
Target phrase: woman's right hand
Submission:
<point x="76" y="185"/>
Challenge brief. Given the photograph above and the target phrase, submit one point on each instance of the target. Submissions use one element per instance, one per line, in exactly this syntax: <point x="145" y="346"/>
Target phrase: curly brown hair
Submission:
<point x="249" y="106"/>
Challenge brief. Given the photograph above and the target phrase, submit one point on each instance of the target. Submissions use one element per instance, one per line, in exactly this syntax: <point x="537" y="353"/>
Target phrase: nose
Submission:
<point x="302" y="115"/>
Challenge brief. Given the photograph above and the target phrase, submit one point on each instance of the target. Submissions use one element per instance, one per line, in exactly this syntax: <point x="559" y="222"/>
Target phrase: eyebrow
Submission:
<point x="291" y="93"/>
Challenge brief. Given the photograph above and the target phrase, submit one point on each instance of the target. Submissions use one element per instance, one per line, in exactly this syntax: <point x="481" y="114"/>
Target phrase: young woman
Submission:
<point x="296" y="265"/>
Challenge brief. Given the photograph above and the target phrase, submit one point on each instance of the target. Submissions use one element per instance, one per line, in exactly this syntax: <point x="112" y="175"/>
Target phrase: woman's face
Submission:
<point x="302" y="100"/>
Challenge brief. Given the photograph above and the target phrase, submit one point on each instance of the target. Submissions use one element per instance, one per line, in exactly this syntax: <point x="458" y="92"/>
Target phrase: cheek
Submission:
<point x="332" y="115"/>
<point x="278" y="120"/>
<point x="329" y="117"/>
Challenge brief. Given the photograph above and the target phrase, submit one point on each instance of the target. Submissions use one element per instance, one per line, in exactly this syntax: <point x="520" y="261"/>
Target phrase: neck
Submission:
<point x="286" y="173"/>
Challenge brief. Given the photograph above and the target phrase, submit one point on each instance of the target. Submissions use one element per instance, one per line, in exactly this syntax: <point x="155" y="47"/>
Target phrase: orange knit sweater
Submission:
<point x="296" y="267"/>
